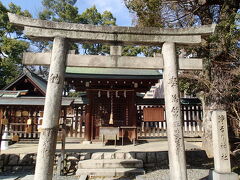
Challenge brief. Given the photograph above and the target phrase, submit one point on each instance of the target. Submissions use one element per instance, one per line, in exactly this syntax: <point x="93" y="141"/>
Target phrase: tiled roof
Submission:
<point x="112" y="73"/>
<point x="37" y="80"/>
<point x="31" y="101"/>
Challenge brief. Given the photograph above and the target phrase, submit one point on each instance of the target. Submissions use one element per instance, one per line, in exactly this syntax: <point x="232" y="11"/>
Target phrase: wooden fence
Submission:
<point x="26" y="125"/>
<point x="191" y="116"/>
<point x="25" y="122"/>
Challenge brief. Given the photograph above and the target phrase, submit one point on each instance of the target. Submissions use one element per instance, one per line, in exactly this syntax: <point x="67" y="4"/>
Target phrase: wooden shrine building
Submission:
<point x="112" y="96"/>
<point x="22" y="105"/>
<point x="108" y="98"/>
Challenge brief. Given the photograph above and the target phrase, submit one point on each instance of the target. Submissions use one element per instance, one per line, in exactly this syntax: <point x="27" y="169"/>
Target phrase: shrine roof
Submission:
<point x="5" y="93"/>
<point x="36" y="80"/>
<point x="112" y="73"/>
<point x="31" y="101"/>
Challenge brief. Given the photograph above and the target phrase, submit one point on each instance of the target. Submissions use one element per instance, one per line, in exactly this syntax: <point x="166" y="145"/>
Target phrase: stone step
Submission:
<point x="116" y="155"/>
<point x="110" y="163"/>
<point x="111" y="172"/>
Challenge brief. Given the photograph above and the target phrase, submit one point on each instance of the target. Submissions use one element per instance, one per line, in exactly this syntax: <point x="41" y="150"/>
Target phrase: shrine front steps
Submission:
<point x="111" y="172"/>
<point x="108" y="165"/>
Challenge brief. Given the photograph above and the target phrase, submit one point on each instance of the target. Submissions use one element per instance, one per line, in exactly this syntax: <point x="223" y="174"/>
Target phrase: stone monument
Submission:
<point x="222" y="166"/>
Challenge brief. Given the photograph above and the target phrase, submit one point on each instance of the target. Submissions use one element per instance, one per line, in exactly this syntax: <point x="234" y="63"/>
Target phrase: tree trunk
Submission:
<point x="207" y="143"/>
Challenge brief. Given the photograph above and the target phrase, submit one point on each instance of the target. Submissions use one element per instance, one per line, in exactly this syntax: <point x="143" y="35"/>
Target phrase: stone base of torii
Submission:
<point x="61" y="33"/>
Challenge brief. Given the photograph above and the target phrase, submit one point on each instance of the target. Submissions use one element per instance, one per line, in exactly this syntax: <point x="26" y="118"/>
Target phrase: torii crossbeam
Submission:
<point x="62" y="33"/>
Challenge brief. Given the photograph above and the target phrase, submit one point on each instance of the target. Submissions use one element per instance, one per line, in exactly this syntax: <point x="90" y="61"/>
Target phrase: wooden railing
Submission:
<point x="160" y="130"/>
<point x="191" y="118"/>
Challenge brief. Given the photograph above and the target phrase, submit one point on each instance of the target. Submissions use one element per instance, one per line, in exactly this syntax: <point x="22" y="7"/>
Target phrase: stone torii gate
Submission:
<point x="62" y="33"/>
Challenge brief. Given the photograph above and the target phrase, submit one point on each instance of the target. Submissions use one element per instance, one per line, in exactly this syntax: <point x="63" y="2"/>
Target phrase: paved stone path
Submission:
<point x="162" y="145"/>
<point x="8" y="177"/>
<point x="163" y="174"/>
<point x="160" y="174"/>
<point x="158" y="145"/>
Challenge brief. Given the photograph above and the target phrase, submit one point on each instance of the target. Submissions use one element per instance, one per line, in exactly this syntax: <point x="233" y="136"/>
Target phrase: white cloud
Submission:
<point x="116" y="7"/>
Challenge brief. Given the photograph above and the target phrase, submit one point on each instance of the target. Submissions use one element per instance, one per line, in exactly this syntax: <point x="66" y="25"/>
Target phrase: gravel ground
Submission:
<point x="163" y="174"/>
<point x="160" y="174"/>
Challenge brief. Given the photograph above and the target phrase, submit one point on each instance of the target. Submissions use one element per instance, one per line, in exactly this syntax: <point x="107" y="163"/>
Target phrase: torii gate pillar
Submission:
<point x="176" y="150"/>
<point x="48" y="137"/>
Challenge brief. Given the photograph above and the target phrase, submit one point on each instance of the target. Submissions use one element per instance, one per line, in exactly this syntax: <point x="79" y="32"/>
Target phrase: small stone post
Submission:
<point x="222" y="166"/>
<point x="176" y="150"/>
<point x="47" y="142"/>
<point x="116" y="50"/>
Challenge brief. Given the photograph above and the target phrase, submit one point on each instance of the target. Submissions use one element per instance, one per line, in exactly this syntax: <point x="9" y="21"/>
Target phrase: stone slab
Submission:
<point x="130" y="155"/>
<point x="120" y="155"/>
<point x="109" y="156"/>
<point x="97" y="156"/>
<point x="129" y="172"/>
<point x="110" y="163"/>
<point x="96" y="172"/>
<point x="26" y="21"/>
<point x="28" y="177"/>
<point x="140" y="177"/>
<point x="123" y="62"/>
<point x="213" y="175"/>
<point x="36" y="33"/>
<point x="111" y="172"/>
<point x="86" y="142"/>
<point x="9" y="177"/>
<point x="83" y="177"/>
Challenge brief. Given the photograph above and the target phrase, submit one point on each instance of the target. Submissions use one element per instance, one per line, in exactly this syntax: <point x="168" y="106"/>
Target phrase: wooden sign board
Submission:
<point x="40" y="129"/>
<point x="25" y="113"/>
<point x="40" y="121"/>
<point x="41" y="113"/>
<point x="60" y="136"/>
<point x="18" y="113"/>
<point x="15" y="138"/>
<point x="28" y="129"/>
<point x="29" y="121"/>
<point x="4" y="122"/>
<point x="153" y="114"/>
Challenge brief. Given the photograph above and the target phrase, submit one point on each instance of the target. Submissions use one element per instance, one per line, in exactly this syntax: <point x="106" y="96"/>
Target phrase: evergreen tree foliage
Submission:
<point x="12" y="45"/>
<point x="65" y="11"/>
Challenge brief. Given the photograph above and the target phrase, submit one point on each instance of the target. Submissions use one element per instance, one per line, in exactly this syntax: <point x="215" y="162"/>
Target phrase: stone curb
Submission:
<point x="140" y="177"/>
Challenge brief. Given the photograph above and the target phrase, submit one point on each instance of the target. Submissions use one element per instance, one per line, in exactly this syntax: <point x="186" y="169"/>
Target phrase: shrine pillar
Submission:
<point x="133" y="109"/>
<point x="88" y="125"/>
<point x="47" y="141"/>
<point x="176" y="150"/>
<point x="88" y="119"/>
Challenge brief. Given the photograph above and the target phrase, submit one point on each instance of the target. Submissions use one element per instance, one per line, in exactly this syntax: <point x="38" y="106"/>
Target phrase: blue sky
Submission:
<point x="117" y="7"/>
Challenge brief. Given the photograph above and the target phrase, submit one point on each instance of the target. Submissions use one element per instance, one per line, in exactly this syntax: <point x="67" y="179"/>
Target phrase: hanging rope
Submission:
<point x="111" y="114"/>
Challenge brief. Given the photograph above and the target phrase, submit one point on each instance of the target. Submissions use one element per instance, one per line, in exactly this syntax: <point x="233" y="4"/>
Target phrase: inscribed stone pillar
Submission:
<point x="176" y="150"/>
<point x="222" y="166"/>
<point x="47" y="142"/>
